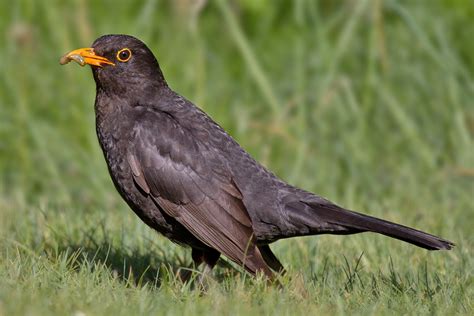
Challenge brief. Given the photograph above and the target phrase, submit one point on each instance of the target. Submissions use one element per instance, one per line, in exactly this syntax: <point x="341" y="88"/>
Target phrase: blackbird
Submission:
<point x="185" y="177"/>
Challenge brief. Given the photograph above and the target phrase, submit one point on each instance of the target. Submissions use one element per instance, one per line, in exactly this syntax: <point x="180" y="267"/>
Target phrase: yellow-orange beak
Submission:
<point x="85" y="56"/>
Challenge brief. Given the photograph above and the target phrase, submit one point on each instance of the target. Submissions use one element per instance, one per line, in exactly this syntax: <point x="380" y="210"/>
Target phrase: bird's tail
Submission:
<point x="325" y="217"/>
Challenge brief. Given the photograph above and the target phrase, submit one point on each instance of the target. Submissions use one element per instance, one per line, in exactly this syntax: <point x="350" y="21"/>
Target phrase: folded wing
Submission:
<point x="190" y="181"/>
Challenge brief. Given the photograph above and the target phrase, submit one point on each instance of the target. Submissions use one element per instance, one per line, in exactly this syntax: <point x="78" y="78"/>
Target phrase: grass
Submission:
<point x="368" y="103"/>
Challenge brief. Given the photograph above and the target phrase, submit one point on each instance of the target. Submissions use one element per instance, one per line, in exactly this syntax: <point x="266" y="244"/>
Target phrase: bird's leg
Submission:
<point x="198" y="258"/>
<point x="210" y="259"/>
<point x="271" y="259"/>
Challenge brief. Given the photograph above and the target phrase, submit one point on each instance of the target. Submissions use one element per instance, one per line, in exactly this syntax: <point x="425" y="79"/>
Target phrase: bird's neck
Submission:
<point x="110" y="107"/>
<point x="105" y="106"/>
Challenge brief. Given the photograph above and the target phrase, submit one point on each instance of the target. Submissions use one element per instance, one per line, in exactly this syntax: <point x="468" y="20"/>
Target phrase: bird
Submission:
<point x="189" y="180"/>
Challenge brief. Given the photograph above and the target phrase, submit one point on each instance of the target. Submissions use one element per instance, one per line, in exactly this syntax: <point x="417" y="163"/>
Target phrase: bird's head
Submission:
<point x="120" y="63"/>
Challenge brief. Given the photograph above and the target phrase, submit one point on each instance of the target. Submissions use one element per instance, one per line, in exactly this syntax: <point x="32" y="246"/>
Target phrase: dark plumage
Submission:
<point x="185" y="177"/>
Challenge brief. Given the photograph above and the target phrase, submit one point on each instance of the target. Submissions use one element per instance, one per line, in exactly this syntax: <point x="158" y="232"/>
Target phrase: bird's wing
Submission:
<point x="190" y="181"/>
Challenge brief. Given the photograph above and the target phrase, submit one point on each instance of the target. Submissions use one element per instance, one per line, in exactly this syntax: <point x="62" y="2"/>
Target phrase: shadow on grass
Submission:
<point x="145" y="263"/>
<point x="129" y="266"/>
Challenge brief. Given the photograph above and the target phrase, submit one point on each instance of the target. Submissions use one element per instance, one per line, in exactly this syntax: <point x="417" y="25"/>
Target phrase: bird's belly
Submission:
<point x="138" y="201"/>
<point x="143" y="204"/>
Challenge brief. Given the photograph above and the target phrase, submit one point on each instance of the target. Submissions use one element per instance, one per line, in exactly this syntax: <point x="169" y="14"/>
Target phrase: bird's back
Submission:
<point x="263" y="193"/>
<point x="278" y="210"/>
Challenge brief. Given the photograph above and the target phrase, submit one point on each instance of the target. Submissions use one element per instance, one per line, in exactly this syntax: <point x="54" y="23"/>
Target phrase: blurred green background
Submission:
<point x="368" y="103"/>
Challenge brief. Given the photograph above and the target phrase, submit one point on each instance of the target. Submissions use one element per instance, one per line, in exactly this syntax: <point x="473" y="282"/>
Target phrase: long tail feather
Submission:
<point x="352" y="222"/>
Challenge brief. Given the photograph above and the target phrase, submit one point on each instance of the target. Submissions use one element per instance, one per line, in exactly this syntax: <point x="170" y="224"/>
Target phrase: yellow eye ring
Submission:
<point x="124" y="55"/>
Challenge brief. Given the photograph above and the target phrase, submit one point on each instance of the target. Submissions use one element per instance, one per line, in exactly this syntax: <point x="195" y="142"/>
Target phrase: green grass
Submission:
<point x="368" y="103"/>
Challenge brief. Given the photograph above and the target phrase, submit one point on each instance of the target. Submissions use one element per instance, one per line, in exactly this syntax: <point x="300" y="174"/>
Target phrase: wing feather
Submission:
<point x="192" y="183"/>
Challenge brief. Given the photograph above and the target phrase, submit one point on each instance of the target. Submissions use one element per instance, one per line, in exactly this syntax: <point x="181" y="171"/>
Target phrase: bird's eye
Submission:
<point x="124" y="55"/>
